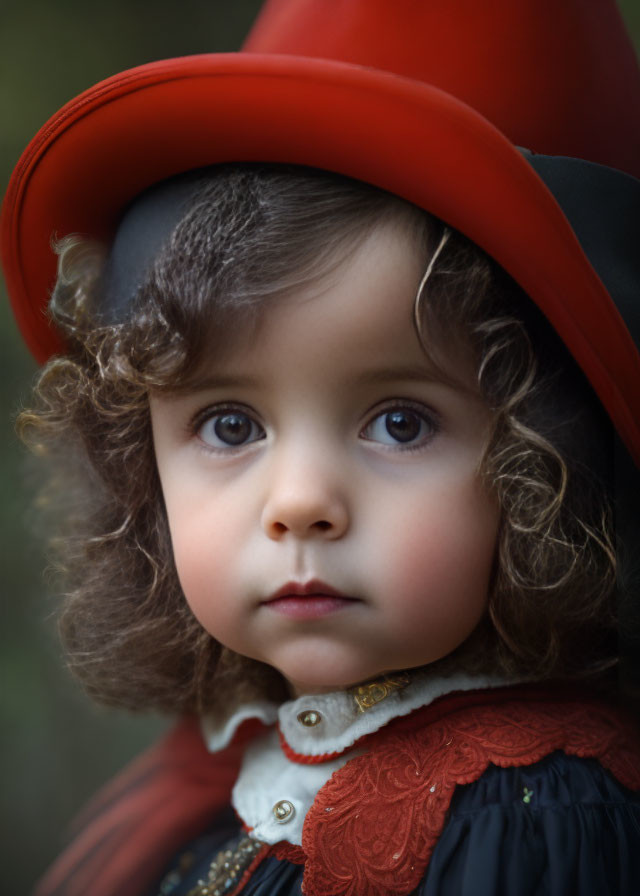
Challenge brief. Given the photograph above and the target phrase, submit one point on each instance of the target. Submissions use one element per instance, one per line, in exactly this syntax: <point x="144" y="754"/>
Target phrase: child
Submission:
<point x="341" y="497"/>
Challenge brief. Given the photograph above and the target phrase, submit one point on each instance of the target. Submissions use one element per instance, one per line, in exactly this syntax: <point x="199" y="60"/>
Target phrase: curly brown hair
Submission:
<point x="252" y="234"/>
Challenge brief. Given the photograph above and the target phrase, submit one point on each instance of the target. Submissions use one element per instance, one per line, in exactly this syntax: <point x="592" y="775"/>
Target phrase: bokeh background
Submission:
<point x="55" y="747"/>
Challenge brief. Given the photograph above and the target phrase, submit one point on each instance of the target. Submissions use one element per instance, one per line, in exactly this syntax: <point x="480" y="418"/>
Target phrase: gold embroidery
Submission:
<point x="373" y="692"/>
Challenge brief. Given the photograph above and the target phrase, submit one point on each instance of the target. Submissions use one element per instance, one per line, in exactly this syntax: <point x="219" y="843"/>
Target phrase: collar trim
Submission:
<point x="218" y="736"/>
<point x="316" y="728"/>
<point x="342" y="721"/>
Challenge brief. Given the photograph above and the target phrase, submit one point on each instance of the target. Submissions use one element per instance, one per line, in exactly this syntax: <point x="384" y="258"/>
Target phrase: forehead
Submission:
<point x="359" y="306"/>
<point x="355" y="323"/>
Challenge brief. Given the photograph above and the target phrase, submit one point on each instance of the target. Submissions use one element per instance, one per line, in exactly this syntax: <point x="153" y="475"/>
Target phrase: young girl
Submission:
<point x="337" y="493"/>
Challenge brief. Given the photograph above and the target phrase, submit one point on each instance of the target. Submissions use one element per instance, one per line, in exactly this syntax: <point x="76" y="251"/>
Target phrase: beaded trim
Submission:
<point x="228" y="867"/>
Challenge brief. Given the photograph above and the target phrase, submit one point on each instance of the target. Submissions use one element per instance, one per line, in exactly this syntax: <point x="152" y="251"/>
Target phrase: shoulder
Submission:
<point x="491" y="781"/>
<point x="561" y="825"/>
<point x="462" y="734"/>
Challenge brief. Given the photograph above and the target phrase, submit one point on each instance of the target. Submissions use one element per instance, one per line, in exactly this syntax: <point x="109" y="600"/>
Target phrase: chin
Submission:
<point x="318" y="664"/>
<point x="339" y="679"/>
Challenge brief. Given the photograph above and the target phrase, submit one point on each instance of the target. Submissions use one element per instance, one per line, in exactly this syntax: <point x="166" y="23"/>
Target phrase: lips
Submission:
<point x="308" y="600"/>
<point x="314" y="588"/>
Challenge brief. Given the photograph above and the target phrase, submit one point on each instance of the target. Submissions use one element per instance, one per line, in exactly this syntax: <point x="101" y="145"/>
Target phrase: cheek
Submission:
<point x="202" y="550"/>
<point x="439" y="560"/>
<point x="439" y="595"/>
<point x="427" y="566"/>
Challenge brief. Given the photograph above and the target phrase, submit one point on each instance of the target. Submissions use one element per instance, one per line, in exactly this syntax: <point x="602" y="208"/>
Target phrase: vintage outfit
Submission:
<point x="503" y="789"/>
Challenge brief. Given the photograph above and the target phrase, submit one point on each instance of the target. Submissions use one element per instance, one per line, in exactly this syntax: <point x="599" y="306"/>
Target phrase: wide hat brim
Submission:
<point x="144" y="125"/>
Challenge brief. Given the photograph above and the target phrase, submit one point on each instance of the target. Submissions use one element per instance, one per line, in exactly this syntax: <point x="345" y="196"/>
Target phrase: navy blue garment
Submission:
<point x="561" y="827"/>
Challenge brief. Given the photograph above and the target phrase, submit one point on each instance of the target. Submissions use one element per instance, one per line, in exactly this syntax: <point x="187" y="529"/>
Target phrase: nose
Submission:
<point x="305" y="500"/>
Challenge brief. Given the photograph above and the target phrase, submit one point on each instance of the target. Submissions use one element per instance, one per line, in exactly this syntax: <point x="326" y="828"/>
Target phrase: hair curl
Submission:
<point x="250" y="237"/>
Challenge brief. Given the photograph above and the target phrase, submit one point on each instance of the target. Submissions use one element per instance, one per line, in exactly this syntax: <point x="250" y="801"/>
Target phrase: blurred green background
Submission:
<point x="55" y="747"/>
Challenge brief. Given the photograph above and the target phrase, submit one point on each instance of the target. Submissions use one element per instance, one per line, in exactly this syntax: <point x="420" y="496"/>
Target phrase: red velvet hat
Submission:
<point x="426" y="99"/>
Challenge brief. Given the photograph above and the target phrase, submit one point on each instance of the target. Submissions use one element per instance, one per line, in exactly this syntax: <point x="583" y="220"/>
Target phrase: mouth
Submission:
<point x="308" y="600"/>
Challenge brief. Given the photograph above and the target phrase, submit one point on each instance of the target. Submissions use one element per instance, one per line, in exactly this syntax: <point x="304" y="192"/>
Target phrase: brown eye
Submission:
<point x="233" y="429"/>
<point x="401" y="426"/>
<point x="230" y="429"/>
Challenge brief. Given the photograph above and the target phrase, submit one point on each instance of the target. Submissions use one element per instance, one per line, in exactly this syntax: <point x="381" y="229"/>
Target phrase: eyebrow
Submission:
<point x="399" y="372"/>
<point x="427" y="373"/>
<point x="220" y="381"/>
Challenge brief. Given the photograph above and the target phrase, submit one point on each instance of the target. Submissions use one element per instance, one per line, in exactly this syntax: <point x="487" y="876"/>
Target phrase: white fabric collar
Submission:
<point x="337" y="719"/>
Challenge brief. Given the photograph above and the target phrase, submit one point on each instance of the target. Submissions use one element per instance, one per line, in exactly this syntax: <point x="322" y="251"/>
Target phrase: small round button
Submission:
<point x="309" y="718"/>
<point x="283" y="811"/>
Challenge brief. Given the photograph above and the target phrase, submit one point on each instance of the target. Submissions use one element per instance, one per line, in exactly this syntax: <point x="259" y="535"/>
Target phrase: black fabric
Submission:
<point x="561" y="827"/>
<point x="192" y="862"/>
<point x="145" y="228"/>
<point x="603" y="207"/>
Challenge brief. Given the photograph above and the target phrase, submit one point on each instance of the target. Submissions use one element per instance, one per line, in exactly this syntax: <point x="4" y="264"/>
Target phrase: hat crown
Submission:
<point x="560" y="78"/>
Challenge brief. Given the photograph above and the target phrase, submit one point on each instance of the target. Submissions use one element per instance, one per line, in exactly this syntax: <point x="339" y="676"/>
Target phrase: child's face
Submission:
<point x="324" y="451"/>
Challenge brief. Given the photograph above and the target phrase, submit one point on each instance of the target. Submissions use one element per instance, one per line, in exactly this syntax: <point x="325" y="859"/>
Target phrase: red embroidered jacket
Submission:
<point x="374" y="824"/>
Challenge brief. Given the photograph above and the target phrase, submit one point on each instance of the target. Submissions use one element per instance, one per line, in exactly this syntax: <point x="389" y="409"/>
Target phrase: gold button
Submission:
<point x="309" y="718"/>
<point x="283" y="811"/>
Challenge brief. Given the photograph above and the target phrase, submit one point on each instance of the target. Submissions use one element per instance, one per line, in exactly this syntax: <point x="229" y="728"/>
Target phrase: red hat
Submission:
<point x="422" y="98"/>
